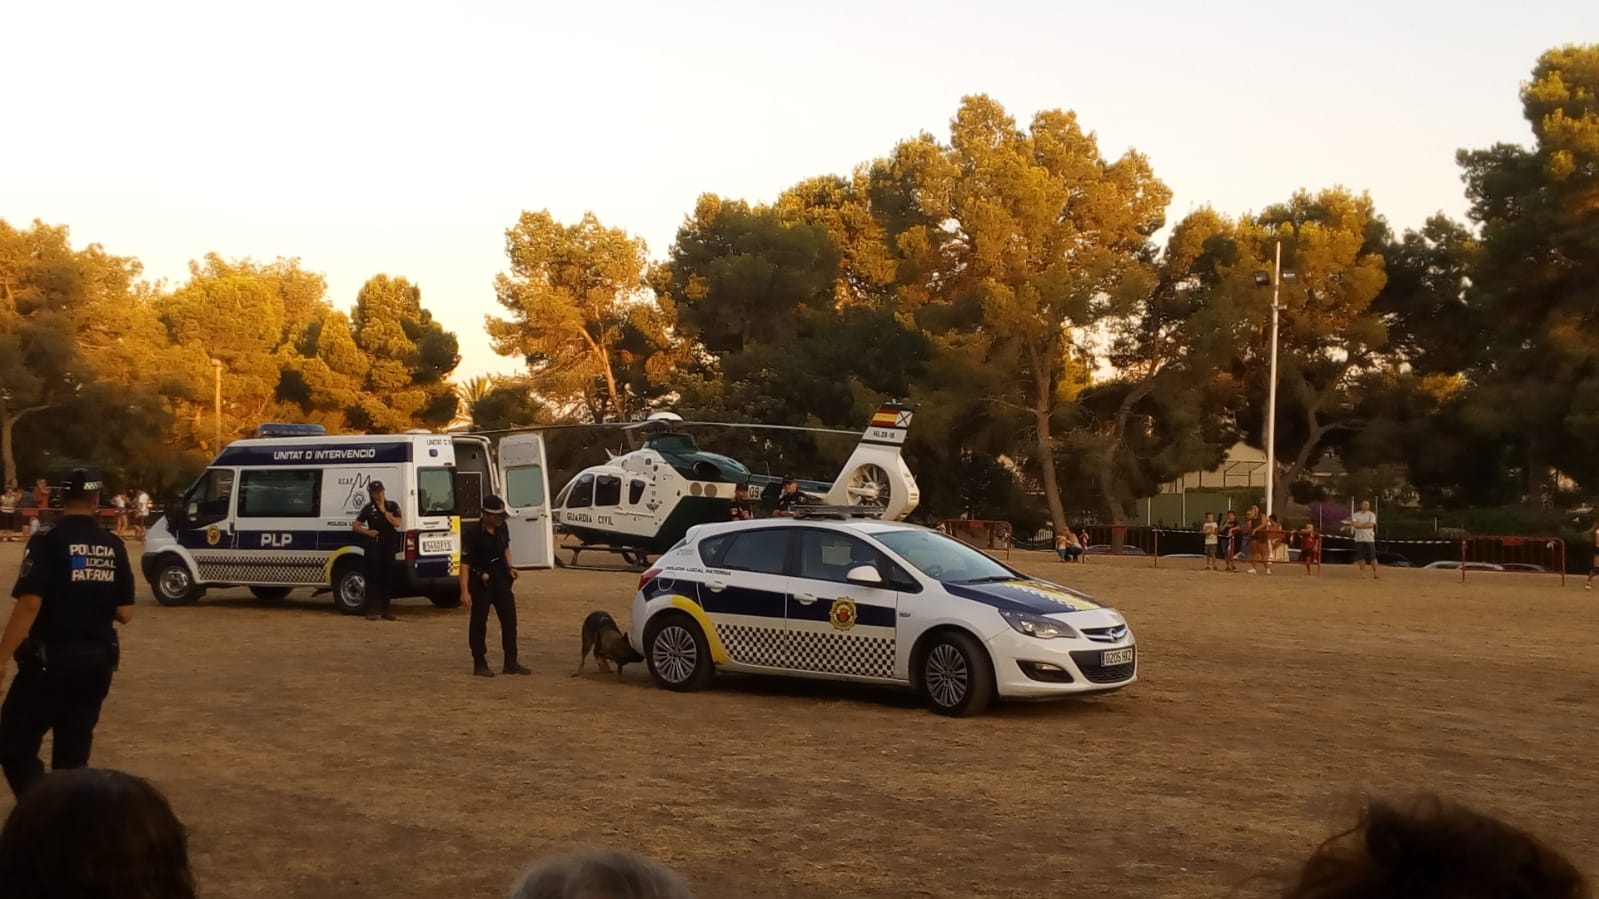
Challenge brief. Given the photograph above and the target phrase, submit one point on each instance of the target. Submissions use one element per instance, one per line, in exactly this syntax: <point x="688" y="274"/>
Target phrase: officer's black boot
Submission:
<point x="481" y="668"/>
<point x="511" y="667"/>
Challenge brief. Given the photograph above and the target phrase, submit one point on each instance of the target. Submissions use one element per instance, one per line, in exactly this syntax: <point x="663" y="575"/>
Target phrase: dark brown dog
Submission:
<point x="602" y="637"/>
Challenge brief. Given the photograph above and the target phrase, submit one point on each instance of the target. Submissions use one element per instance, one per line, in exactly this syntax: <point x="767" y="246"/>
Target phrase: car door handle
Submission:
<point x="716" y="586"/>
<point x="804" y="599"/>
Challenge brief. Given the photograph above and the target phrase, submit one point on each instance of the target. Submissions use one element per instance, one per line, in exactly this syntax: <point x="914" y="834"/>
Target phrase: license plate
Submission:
<point x="435" y="546"/>
<point x="1116" y="657"/>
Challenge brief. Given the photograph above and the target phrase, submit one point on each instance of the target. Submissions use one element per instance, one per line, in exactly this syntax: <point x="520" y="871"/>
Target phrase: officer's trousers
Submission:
<point x="379" y="581"/>
<point x="65" y="699"/>
<point x="500" y="597"/>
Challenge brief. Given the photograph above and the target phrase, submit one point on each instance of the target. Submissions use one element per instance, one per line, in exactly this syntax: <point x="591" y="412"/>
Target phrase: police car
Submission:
<point x="873" y="602"/>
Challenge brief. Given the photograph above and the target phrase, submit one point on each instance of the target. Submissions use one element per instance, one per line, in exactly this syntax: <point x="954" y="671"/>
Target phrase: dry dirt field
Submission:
<point x="314" y="755"/>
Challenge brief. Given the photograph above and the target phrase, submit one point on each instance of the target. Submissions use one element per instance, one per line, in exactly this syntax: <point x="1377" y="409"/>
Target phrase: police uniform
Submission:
<point x="741" y="510"/>
<point x="80" y="573"/>
<point x="787" y="501"/>
<point x="488" y="583"/>
<point x="380" y="555"/>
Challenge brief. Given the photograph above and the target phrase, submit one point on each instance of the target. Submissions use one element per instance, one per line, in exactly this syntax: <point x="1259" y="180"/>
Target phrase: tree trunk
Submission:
<point x="1107" y="486"/>
<point x="1042" y="409"/>
<point x="6" y="452"/>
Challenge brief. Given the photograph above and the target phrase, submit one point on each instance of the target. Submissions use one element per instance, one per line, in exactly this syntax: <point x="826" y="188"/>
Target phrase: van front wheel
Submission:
<point x="173" y="585"/>
<point x="349" y="587"/>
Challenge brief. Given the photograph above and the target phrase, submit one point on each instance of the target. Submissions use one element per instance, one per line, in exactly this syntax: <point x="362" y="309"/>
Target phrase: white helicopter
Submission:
<point x="642" y="502"/>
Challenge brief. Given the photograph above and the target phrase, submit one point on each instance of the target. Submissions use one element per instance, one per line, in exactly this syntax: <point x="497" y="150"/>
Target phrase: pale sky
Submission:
<point x="405" y="138"/>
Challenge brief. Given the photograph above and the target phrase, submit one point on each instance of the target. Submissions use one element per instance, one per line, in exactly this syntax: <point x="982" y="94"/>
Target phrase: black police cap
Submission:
<point x="82" y="482"/>
<point x="493" y="505"/>
<point x="374" y="486"/>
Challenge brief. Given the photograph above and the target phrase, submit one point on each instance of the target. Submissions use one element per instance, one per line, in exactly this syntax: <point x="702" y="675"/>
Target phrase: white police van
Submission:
<point x="275" y="512"/>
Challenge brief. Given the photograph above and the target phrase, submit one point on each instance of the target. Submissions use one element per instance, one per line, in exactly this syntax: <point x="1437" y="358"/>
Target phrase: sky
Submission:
<point x="405" y="138"/>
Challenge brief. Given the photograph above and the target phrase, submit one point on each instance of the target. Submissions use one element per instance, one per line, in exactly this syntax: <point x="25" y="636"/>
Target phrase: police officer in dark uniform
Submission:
<point x="380" y="521"/>
<point x="486" y="578"/>
<point x="741" y="510"/>
<point x="790" y="498"/>
<point x="75" y="582"/>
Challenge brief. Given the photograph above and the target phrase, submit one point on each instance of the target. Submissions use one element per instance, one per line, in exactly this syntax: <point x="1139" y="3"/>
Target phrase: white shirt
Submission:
<point x="141" y="503"/>
<point x="1365" y="535"/>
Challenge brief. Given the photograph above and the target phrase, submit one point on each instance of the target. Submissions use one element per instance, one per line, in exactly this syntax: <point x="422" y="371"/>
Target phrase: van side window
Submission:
<point x="635" y="492"/>
<point x="280" y="494"/>
<point x="608" y="490"/>
<point x="582" y="493"/>
<point x="210" y="499"/>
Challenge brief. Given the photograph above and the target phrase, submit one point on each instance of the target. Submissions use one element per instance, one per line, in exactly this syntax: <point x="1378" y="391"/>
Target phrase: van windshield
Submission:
<point x="435" y="491"/>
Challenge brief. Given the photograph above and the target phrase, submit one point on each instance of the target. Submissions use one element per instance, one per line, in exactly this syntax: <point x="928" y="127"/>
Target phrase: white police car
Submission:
<point x="874" y="602"/>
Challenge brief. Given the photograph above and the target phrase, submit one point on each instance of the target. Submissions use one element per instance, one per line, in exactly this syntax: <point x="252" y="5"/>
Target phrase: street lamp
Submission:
<point x="1275" y="279"/>
<point x="216" y="365"/>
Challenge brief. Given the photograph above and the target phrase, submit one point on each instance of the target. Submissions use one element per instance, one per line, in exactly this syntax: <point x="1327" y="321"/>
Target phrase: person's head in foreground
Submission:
<point x="94" y="833"/>
<point x="1426" y="848"/>
<point x="600" y="875"/>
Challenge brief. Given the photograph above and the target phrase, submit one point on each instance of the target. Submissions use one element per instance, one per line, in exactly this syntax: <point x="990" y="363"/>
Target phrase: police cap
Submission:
<point x="493" y="505"/>
<point x="374" y="487"/>
<point x="81" y="482"/>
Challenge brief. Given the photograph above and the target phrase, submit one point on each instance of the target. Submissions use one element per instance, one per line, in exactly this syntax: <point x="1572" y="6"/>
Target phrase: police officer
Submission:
<point x="790" y="498"/>
<point x="380" y="521"/>
<point x="75" y="582"/>
<point x="486" y="577"/>
<point x="741" y="510"/>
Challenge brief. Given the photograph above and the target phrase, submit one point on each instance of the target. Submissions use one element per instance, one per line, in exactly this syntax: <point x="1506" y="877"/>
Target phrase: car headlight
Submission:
<point x="1037" y="625"/>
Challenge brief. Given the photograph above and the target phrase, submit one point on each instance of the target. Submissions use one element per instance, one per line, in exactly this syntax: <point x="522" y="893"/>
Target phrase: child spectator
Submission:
<point x="1211" y="530"/>
<point x="600" y="875"/>
<point x="1309" y="546"/>
<point x="10" y="521"/>
<point x="1230" y="529"/>
<point x="93" y="832"/>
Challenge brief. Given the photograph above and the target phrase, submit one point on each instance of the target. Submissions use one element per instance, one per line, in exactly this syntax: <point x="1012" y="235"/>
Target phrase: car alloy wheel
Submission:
<point x="947" y="675"/>
<point x="676" y="654"/>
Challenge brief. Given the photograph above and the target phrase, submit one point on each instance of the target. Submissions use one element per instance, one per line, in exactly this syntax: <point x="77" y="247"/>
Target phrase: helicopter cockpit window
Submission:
<point x="582" y="495"/>
<point x="635" y="492"/>
<point x="607" y="490"/>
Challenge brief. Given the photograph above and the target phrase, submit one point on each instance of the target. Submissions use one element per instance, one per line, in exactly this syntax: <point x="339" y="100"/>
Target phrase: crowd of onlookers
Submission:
<point x="109" y="835"/>
<point x="24" y="512"/>
<point x="1258" y="538"/>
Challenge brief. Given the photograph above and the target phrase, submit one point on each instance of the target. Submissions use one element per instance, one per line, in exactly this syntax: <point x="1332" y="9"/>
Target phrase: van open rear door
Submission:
<point x="527" y="492"/>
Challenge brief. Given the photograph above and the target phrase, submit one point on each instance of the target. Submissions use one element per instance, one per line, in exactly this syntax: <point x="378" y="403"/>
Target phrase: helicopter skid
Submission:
<point x="636" y="559"/>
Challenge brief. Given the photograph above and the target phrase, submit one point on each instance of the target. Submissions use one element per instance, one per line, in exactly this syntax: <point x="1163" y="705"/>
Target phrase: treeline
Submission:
<point x="1006" y="278"/>
<point x="97" y="365"/>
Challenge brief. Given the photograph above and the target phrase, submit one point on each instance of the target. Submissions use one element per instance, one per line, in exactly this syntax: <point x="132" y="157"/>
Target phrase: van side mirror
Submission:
<point x="865" y="576"/>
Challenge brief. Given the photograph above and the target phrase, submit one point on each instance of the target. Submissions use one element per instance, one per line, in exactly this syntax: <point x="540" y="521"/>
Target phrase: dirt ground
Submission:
<point x="314" y="755"/>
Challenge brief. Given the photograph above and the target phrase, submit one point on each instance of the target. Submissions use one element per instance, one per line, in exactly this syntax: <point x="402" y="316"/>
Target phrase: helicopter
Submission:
<point x="640" y="503"/>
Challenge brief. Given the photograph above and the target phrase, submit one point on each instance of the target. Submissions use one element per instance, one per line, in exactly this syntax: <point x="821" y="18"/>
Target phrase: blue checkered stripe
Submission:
<point x="304" y="568"/>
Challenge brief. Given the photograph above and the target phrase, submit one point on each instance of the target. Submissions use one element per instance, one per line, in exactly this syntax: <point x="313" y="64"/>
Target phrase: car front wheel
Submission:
<point x="349" y="588"/>
<point x="955" y="676"/>
<point x="678" y="654"/>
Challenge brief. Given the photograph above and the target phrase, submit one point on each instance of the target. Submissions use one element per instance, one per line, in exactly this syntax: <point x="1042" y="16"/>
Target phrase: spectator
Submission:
<point x="1309" y="546"/>
<point x="600" y="875"/>
<point x="10" y="521"/>
<point x="1364" y="523"/>
<point x="1430" y="849"/>
<point x="29" y="523"/>
<point x="1067" y="546"/>
<point x="1211" y="530"/>
<point x="91" y="832"/>
<point x="1249" y="535"/>
<point x="141" y="512"/>
<point x="119" y="501"/>
<point x="1230" y="529"/>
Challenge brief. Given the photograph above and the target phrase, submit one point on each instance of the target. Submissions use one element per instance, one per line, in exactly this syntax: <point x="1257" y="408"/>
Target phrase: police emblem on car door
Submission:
<point x="207" y="531"/>
<point x="836" y="626"/>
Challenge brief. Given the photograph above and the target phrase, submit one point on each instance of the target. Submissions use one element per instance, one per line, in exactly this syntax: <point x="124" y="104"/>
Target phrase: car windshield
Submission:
<point x="943" y="558"/>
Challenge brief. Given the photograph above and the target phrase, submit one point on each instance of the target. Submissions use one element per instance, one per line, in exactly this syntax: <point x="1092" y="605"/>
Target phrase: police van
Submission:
<point x="275" y="512"/>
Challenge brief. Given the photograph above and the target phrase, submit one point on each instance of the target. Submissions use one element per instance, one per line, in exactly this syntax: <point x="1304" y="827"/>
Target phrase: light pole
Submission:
<point x="1277" y="277"/>
<point x="216" y="365"/>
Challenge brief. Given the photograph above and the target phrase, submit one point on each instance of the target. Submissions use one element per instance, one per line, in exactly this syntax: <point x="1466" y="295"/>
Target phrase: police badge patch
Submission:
<point x="213" y="536"/>
<point x="842" y="615"/>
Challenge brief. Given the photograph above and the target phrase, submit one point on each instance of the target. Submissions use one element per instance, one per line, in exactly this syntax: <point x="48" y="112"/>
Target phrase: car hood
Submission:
<point x="1023" y="595"/>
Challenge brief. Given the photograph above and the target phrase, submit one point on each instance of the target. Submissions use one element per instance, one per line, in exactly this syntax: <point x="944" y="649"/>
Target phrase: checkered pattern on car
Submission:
<point x="825" y="653"/>
<point x="263" y="568"/>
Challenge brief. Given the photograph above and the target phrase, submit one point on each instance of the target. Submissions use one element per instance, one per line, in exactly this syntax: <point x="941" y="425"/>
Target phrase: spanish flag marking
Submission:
<point x="885" y="418"/>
